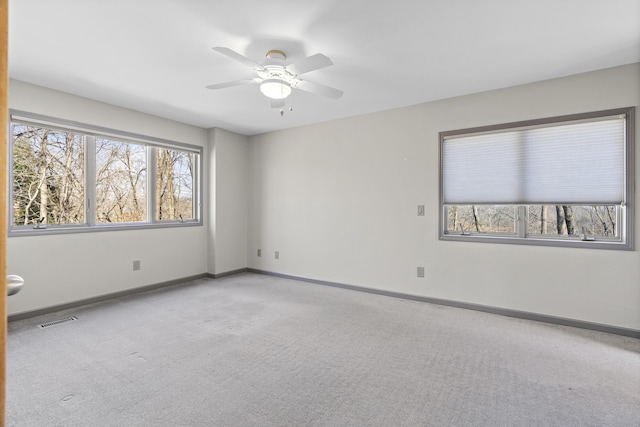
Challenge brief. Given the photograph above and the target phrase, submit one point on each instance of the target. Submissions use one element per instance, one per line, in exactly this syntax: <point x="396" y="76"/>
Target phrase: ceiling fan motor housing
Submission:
<point x="277" y="81"/>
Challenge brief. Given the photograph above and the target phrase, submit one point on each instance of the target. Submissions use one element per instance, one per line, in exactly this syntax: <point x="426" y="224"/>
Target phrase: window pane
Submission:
<point x="473" y="219"/>
<point x="174" y="184"/>
<point x="48" y="176"/>
<point x="567" y="220"/>
<point x="121" y="169"/>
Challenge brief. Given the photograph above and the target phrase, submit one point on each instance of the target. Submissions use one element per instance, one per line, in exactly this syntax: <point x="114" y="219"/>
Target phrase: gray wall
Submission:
<point x="338" y="201"/>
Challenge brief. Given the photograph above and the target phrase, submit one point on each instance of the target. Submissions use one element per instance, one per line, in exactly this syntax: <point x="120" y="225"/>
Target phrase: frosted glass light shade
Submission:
<point x="275" y="89"/>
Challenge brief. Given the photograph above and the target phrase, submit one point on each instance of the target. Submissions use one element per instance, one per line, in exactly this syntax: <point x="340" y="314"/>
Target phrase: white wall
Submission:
<point x="338" y="201"/>
<point x="59" y="269"/>
<point x="228" y="201"/>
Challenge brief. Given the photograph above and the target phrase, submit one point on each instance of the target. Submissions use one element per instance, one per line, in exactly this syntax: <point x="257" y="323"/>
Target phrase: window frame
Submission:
<point x="90" y="133"/>
<point x="625" y="212"/>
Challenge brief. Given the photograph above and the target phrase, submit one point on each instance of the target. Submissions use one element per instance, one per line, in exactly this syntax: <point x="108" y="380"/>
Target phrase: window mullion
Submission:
<point x="522" y="219"/>
<point x="196" y="194"/>
<point x="151" y="183"/>
<point x="90" y="180"/>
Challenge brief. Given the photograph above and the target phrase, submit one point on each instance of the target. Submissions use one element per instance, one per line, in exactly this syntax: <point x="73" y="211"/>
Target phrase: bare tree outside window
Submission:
<point x="465" y="219"/>
<point x="121" y="169"/>
<point x="542" y="220"/>
<point x="48" y="176"/>
<point x="565" y="220"/>
<point x="174" y="184"/>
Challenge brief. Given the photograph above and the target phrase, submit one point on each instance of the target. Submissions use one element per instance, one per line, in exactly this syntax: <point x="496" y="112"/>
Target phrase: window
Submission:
<point x="174" y="184"/>
<point x="71" y="177"/>
<point x="48" y="176"/>
<point x="121" y="171"/>
<point x="558" y="181"/>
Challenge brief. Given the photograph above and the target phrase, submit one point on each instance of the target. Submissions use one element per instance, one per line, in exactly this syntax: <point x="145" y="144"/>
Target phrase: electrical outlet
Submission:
<point x="420" y="210"/>
<point x="277" y="254"/>
<point x="136" y="265"/>
<point x="259" y="252"/>
<point x="420" y="271"/>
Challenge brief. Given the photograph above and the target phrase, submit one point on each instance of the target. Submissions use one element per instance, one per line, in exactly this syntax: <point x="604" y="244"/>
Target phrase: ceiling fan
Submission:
<point x="277" y="79"/>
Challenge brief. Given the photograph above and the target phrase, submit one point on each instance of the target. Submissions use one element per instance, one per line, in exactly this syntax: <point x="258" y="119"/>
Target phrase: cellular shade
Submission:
<point x="571" y="163"/>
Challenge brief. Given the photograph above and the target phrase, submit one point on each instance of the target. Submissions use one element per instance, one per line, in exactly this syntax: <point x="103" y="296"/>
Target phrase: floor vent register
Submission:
<point x="57" y="322"/>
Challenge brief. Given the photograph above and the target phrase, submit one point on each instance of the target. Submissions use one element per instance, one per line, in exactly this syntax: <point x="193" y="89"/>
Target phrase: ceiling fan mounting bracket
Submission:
<point x="276" y="54"/>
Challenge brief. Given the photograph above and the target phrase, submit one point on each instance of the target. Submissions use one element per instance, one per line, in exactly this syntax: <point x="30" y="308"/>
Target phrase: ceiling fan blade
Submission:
<point x="233" y="83"/>
<point x="240" y="58"/>
<point x="277" y="103"/>
<point x="313" y="62"/>
<point x="319" y="89"/>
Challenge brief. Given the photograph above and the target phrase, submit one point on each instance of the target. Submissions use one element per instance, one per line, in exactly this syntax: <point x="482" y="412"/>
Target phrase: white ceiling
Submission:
<point x="155" y="56"/>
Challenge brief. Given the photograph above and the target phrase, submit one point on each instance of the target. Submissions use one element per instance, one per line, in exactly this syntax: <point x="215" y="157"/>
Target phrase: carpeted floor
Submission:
<point x="255" y="350"/>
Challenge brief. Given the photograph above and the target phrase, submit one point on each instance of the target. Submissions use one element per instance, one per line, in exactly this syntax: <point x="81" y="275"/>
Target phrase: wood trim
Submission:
<point x="4" y="80"/>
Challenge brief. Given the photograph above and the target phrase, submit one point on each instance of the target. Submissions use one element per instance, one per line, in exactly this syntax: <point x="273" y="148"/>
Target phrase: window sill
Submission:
<point x="536" y="241"/>
<point x="75" y="229"/>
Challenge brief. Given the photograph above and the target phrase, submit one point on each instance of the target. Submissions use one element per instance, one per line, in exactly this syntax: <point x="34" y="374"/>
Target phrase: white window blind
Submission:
<point x="570" y="163"/>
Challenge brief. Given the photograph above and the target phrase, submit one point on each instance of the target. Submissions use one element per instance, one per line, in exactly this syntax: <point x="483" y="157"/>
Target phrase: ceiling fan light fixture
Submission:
<point x="275" y="88"/>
